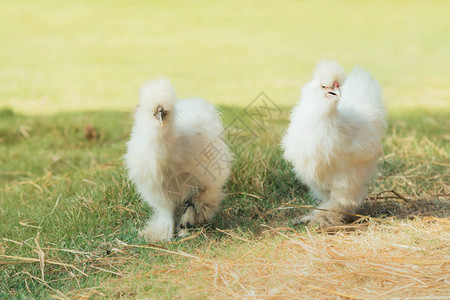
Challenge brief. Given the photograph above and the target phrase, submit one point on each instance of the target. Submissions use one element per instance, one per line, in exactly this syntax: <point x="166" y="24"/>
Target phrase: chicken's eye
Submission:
<point x="323" y="86"/>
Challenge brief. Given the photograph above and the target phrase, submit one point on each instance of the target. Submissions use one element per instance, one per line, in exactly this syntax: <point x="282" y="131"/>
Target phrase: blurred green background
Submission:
<point x="92" y="55"/>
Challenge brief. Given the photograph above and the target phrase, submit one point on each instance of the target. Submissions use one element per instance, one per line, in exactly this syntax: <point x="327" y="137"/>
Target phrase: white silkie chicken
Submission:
<point x="176" y="159"/>
<point x="334" y="139"/>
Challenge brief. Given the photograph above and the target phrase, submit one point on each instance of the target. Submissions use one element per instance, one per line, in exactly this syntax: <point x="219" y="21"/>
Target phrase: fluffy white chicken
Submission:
<point x="176" y="159"/>
<point x="334" y="139"/>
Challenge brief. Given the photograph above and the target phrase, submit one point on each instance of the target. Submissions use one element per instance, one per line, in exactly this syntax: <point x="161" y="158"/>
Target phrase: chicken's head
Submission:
<point x="157" y="100"/>
<point x="330" y="76"/>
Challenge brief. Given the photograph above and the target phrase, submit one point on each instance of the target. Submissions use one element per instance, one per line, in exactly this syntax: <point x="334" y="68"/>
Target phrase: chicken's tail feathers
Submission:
<point x="158" y="93"/>
<point x="362" y="92"/>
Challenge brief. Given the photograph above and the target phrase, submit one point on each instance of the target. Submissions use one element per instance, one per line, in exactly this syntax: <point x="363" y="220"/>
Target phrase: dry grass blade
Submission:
<point x="328" y="291"/>
<point x="41" y="257"/>
<point x="26" y="182"/>
<point x="233" y="235"/>
<point x="13" y="241"/>
<point x="321" y="209"/>
<point x="69" y="251"/>
<point x="25" y="223"/>
<point x="248" y="194"/>
<point x="107" y="271"/>
<point x="18" y="259"/>
<point x="396" y="195"/>
<point x="192" y="236"/>
<point x="157" y="248"/>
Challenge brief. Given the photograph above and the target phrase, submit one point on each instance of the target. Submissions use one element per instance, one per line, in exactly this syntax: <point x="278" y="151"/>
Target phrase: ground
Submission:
<point x="70" y="74"/>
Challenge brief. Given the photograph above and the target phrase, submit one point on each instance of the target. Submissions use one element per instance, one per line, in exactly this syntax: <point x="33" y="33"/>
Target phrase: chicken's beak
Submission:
<point x="335" y="92"/>
<point x="160" y="114"/>
<point x="160" y="119"/>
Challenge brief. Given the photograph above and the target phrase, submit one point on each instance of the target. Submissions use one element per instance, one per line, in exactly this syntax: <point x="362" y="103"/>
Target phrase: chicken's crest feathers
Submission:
<point x="158" y="92"/>
<point x="329" y="71"/>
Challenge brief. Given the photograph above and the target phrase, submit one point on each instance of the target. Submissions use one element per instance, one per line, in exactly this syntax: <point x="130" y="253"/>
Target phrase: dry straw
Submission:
<point x="392" y="259"/>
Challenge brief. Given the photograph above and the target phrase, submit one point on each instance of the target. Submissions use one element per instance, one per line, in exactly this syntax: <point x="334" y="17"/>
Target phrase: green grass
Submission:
<point x="66" y="65"/>
<point x="72" y="194"/>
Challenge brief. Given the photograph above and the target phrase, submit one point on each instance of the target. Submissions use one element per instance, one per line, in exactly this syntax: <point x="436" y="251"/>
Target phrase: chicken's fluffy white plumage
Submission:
<point x="176" y="159"/>
<point x="334" y="141"/>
